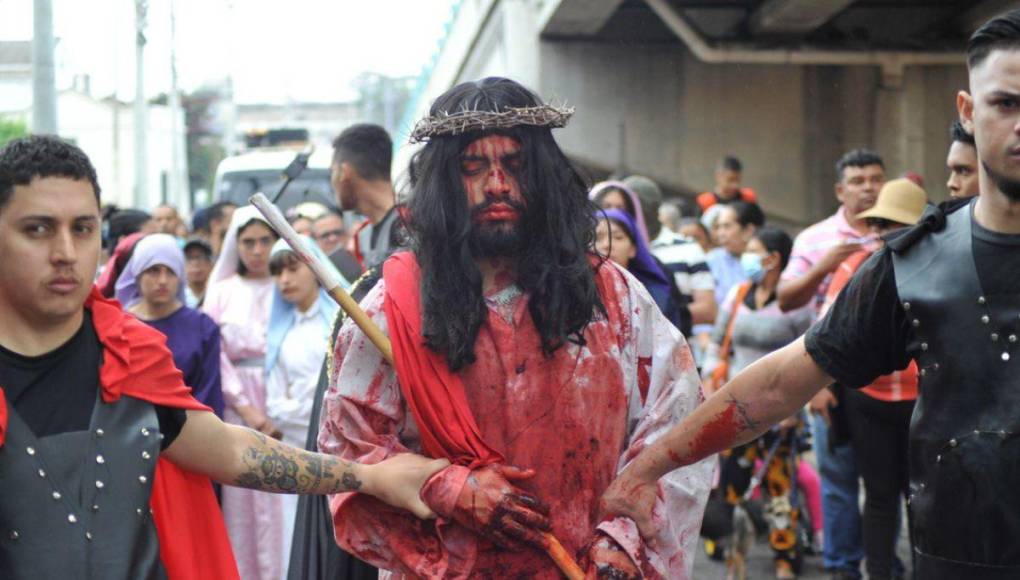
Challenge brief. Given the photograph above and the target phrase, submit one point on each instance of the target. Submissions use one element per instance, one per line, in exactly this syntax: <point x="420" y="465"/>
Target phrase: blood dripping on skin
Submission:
<point x="491" y="151"/>
<point x="717" y="434"/>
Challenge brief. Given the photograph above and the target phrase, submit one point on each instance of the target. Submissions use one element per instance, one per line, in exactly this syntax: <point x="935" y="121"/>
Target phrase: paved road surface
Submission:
<point x="760" y="566"/>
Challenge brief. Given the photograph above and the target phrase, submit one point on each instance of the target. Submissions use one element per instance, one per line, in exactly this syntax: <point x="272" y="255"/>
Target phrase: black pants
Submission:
<point x="880" y="433"/>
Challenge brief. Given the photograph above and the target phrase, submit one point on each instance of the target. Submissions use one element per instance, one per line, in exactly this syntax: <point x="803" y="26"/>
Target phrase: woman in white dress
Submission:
<point x="300" y="320"/>
<point x="238" y="299"/>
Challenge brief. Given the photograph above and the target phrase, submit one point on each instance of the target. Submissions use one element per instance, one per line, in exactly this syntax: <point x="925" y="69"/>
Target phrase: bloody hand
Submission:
<point x="491" y="506"/>
<point x="631" y="497"/>
<point x="606" y="560"/>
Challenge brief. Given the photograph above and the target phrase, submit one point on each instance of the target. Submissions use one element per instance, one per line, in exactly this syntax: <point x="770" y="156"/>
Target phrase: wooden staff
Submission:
<point x="331" y="283"/>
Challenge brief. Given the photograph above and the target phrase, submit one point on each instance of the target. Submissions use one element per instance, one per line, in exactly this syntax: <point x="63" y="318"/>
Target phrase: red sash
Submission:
<point x="433" y="393"/>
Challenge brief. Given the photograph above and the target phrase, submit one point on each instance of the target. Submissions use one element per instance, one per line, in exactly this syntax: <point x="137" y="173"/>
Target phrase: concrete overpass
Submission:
<point x="666" y="87"/>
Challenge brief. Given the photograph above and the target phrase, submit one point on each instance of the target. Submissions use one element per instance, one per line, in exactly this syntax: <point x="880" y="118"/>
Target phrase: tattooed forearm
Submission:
<point x="269" y="465"/>
<point x="743" y="412"/>
<point x="349" y="481"/>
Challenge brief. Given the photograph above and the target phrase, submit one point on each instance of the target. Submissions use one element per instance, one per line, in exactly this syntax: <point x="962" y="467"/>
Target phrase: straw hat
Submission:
<point x="900" y="200"/>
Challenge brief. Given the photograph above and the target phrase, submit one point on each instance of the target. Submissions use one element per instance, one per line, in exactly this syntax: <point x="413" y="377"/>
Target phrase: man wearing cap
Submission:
<point x="879" y="414"/>
<point x="198" y="265"/>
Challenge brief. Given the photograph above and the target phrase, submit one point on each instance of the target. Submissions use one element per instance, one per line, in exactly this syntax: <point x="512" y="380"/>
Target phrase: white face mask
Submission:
<point x="753" y="267"/>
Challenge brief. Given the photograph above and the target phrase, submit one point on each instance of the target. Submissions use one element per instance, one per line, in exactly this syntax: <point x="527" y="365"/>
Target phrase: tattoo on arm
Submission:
<point x="269" y="465"/>
<point x="743" y="412"/>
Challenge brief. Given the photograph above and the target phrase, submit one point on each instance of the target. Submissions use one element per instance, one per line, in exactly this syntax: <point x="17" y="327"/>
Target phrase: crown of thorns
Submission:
<point x="462" y="122"/>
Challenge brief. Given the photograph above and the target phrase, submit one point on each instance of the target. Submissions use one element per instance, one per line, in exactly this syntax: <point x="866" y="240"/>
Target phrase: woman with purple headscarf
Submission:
<point x="618" y="238"/>
<point x="151" y="287"/>
<point x="617" y="195"/>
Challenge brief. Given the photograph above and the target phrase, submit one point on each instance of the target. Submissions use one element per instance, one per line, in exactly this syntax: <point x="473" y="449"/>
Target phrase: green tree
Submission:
<point x="11" y="129"/>
<point x="203" y="141"/>
<point x="383" y="99"/>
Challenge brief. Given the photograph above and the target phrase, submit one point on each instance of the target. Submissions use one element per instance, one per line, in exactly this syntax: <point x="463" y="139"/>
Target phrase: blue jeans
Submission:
<point x="844" y="546"/>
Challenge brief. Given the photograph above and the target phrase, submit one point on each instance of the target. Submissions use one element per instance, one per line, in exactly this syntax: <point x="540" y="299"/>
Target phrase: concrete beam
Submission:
<point x="983" y="12"/>
<point x="891" y="62"/>
<point x="576" y="17"/>
<point x="794" y="16"/>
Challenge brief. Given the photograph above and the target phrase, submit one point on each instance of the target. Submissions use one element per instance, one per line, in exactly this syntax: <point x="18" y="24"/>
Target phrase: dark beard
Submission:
<point x="496" y="239"/>
<point x="1009" y="187"/>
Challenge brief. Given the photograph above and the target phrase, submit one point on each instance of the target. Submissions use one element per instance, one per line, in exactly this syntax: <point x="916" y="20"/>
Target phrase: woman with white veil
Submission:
<point x="238" y="299"/>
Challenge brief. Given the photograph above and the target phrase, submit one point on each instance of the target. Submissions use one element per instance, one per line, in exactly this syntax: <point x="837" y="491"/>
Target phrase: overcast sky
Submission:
<point x="305" y="50"/>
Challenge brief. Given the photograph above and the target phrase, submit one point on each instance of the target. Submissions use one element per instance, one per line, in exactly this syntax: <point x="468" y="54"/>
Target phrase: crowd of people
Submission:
<point x="541" y="344"/>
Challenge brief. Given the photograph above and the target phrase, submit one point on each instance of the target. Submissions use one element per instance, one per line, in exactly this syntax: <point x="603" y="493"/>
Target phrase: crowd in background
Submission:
<point x="249" y="327"/>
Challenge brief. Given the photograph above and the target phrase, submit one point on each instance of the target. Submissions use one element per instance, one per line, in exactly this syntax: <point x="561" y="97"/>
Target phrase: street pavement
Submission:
<point x="760" y="566"/>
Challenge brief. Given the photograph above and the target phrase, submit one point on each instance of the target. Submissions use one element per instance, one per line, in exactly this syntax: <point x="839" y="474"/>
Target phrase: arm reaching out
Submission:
<point x="241" y="457"/>
<point x="793" y="294"/>
<point x="768" y="391"/>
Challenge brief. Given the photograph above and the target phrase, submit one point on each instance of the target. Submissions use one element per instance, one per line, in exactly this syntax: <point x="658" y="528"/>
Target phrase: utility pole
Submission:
<point x="230" y="107"/>
<point x="44" y="82"/>
<point x="141" y="189"/>
<point x="178" y="182"/>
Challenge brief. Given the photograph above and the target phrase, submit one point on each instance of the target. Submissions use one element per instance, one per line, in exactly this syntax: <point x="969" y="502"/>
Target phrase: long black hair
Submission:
<point x="558" y="225"/>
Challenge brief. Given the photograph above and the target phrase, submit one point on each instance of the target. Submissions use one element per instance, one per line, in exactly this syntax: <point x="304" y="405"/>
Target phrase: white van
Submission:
<point x="261" y="170"/>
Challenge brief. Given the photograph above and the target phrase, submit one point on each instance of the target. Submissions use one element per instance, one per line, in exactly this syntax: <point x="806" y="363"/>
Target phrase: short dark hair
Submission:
<point x="748" y="213"/>
<point x="200" y="245"/>
<point x="39" y="156"/>
<point x="958" y="133"/>
<point x="730" y="163"/>
<point x="215" y="211"/>
<point x="124" y="222"/>
<point x="1001" y="32"/>
<point x="368" y="148"/>
<point x="857" y="158"/>
<point x="281" y="260"/>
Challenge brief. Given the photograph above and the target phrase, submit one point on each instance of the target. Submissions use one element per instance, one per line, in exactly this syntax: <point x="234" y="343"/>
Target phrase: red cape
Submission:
<point x="136" y="362"/>
<point x="434" y="394"/>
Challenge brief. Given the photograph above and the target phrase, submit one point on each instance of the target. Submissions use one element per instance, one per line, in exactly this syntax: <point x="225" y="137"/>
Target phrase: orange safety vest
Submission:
<point x="708" y="199"/>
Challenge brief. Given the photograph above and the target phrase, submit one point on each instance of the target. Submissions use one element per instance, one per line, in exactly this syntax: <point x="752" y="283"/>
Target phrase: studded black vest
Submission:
<point x="76" y="505"/>
<point x="965" y="431"/>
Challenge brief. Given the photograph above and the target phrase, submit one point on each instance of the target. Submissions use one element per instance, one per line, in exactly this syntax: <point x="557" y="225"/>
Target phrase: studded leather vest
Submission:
<point x="965" y="431"/>
<point x="76" y="505"/>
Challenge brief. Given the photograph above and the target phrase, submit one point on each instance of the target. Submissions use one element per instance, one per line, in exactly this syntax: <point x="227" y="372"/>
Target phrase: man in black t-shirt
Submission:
<point x="90" y="401"/>
<point x="945" y="293"/>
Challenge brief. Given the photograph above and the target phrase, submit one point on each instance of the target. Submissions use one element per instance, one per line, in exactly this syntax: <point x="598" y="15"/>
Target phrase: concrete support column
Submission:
<point x="889" y="120"/>
<point x="44" y="84"/>
<point x="520" y="40"/>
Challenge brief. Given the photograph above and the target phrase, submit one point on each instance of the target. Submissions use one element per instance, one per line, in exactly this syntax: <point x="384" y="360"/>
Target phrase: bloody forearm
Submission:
<point x="765" y="393"/>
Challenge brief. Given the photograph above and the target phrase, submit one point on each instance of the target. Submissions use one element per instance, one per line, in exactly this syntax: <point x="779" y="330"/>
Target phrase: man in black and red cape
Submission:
<point x="105" y="457"/>
<point x="536" y="367"/>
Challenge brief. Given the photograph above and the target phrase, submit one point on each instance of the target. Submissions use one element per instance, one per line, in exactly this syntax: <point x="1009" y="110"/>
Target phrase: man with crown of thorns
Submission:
<point x="538" y="368"/>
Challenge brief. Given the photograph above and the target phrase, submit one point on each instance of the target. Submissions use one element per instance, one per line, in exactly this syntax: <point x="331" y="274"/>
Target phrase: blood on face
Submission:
<point x="488" y="166"/>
